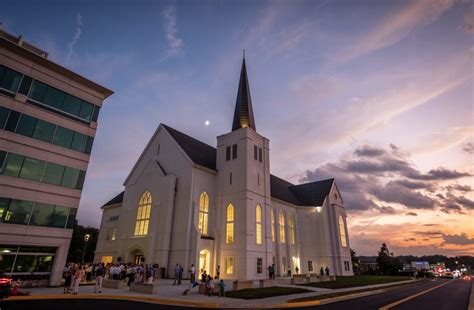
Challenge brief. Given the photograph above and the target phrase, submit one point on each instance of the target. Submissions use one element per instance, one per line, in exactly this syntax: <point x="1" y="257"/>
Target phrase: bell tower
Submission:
<point x="244" y="245"/>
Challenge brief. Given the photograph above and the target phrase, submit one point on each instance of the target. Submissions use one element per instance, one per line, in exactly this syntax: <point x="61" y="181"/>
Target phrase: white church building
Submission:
<point x="186" y="202"/>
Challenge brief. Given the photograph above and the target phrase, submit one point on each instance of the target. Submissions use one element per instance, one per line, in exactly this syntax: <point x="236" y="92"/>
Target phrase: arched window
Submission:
<point x="272" y="214"/>
<point x="258" y="224"/>
<point x="229" y="231"/>
<point x="342" y="232"/>
<point x="203" y="218"/>
<point x="291" y="223"/>
<point x="282" y="227"/>
<point x="143" y="214"/>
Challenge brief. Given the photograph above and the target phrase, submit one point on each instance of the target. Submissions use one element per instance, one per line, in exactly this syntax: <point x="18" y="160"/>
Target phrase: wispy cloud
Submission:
<point x="75" y="38"/>
<point x="175" y="44"/>
<point x="396" y="27"/>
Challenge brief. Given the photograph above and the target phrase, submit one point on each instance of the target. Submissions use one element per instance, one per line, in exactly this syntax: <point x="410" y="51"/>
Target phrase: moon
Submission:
<point x="207" y="123"/>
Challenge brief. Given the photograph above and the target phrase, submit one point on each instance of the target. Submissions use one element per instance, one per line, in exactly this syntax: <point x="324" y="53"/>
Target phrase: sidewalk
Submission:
<point x="173" y="295"/>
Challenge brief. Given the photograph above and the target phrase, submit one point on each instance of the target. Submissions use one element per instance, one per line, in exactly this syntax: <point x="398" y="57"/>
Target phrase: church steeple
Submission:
<point x="243" y="114"/>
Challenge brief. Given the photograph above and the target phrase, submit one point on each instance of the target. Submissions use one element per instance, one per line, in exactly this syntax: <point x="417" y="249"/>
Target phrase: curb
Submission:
<point x="471" y="298"/>
<point x="163" y="301"/>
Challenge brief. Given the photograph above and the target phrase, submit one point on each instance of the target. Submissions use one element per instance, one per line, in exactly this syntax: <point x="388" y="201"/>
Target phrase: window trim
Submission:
<point x="142" y="221"/>
<point x="230" y="220"/>
<point x="203" y="214"/>
<point x="258" y="225"/>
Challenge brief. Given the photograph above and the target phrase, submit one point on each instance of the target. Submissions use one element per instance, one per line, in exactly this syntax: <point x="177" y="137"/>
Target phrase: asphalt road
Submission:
<point x="82" y="304"/>
<point x="452" y="296"/>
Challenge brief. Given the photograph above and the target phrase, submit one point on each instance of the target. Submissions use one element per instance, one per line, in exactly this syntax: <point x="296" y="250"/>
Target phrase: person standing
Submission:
<point x="222" y="289"/>
<point x="218" y="271"/>
<point x="288" y="273"/>
<point x="321" y="271"/>
<point x="180" y="274"/>
<point x="327" y="270"/>
<point x="77" y="281"/>
<point x="68" y="281"/>
<point x="297" y="270"/>
<point x="176" y="274"/>
<point x="99" y="276"/>
<point x="193" y="274"/>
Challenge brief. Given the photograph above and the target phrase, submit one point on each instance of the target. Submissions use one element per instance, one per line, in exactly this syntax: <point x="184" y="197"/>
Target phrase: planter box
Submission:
<point x="145" y="288"/>
<point x="116" y="284"/>
<point x="239" y="285"/>
<point x="300" y="279"/>
<point x="267" y="283"/>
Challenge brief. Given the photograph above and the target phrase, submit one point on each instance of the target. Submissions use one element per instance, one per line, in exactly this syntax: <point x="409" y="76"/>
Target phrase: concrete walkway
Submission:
<point x="173" y="294"/>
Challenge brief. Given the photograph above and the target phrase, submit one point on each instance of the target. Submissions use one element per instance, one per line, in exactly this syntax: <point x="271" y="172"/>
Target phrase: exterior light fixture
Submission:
<point x="86" y="237"/>
<point x="319" y="209"/>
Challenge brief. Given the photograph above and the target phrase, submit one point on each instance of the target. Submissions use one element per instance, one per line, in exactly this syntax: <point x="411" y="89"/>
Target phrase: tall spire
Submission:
<point x="243" y="114"/>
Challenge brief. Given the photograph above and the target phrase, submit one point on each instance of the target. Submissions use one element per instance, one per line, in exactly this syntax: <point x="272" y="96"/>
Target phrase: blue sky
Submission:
<point x="378" y="94"/>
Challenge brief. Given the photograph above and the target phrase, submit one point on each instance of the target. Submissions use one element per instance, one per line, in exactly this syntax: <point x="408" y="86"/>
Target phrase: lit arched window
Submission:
<point x="203" y="218"/>
<point x="282" y="227"/>
<point x="272" y="214"/>
<point x="230" y="224"/>
<point x="143" y="214"/>
<point x="342" y="232"/>
<point x="258" y="224"/>
<point x="291" y="223"/>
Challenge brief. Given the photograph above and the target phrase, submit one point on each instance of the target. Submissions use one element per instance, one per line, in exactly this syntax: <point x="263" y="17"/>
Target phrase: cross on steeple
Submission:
<point x="243" y="114"/>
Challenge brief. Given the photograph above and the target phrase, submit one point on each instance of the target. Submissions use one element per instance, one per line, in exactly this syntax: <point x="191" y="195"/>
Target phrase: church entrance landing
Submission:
<point x="204" y="261"/>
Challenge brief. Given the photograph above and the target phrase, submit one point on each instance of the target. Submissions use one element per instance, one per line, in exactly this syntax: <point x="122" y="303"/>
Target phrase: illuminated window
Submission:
<point x="342" y="232"/>
<point x="143" y="214"/>
<point x="291" y="223"/>
<point x="282" y="227"/>
<point x="106" y="259"/>
<point x="111" y="234"/>
<point x="229" y="265"/>
<point x="203" y="213"/>
<point x="230" y="224"/>
<point x="272" y="213"/>
<point x="258" y="224"/>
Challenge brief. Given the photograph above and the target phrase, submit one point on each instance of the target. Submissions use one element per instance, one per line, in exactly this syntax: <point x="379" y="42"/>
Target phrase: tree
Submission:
<point x="76" y="249"/>
<point x="386" y="263"/>
<point x="355" y="263"/>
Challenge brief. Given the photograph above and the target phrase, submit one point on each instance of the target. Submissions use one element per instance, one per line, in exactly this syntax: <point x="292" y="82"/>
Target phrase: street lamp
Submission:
<point x="319" y="209"/>
<point x="86" y="238"/>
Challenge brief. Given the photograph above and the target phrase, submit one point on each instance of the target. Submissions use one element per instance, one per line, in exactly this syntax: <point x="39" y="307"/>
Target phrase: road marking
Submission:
<point x="396" y="303"/>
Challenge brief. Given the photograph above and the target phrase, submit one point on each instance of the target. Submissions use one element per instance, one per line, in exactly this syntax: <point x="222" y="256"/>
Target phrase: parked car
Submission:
<point x="5" y="286"/>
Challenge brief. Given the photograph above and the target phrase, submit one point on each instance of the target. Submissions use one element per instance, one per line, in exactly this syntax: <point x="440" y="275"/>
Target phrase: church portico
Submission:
<point x="186" y="202"/>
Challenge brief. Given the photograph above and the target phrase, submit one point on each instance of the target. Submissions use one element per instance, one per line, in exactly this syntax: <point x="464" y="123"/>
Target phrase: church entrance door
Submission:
<point x="204" y="261"/>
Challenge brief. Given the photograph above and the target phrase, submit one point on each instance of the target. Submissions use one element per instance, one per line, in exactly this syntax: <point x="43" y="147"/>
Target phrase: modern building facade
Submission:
<point x="48" y="120"/>
<point x="186" y="202"/>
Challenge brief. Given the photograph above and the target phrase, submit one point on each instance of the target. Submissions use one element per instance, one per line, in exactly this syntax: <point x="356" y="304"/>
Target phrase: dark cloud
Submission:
<point x="429" y="225"/>
<point x="468" y="148"/>
<point x="387" y="210"/>
<point x="365" y="175"/>
<point x="369" y="151"/>
<point x="459" y="188"/>
<point x="410" y="239"/>
<point x="462" y="239"/>
<point x="412" y="214"/>
<point x="430" y="233"/>
<point x="439" y="174"/>
<point x="393" y="192"/>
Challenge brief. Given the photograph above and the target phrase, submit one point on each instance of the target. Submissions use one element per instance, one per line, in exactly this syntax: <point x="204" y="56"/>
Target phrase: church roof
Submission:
<point x="243" y="114"/>
<point x="116" y="199"/>
<point x="308" y="194"/>
<point x="199" y="152"/>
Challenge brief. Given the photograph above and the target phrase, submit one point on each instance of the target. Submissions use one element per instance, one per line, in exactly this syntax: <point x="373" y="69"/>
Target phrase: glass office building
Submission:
<point x="48" y="121"/>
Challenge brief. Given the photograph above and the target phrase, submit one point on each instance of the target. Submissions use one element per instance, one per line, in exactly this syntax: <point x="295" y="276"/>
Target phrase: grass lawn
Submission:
<point x="354" y="281"/>
<point x="257" y="293"/>
<point x="331" y="295"/>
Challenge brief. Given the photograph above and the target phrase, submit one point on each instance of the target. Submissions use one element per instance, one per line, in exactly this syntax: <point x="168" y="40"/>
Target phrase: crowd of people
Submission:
<point x="74" y="274"/>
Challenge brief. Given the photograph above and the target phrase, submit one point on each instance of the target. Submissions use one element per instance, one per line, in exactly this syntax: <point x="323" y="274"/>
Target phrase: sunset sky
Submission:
<point x="378" y="94"/>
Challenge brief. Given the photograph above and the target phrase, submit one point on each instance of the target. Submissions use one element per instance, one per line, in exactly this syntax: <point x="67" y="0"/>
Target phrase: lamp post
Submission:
<point x="86" y="238"/>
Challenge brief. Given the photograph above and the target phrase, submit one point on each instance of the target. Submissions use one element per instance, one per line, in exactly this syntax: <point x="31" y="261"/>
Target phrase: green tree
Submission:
<point x="78" y="243"/>
<point x="355" y="263"/>
<point x="386" y="263"/>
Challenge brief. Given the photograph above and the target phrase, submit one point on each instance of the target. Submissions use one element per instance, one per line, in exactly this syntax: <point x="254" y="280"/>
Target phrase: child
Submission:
<point x="222" y="289"/>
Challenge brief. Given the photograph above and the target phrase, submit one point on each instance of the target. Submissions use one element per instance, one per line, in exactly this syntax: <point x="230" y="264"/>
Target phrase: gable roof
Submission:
<point x="116" y="199"/>
<point x="199" y="152"/>
<point x="308" y="194"/>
